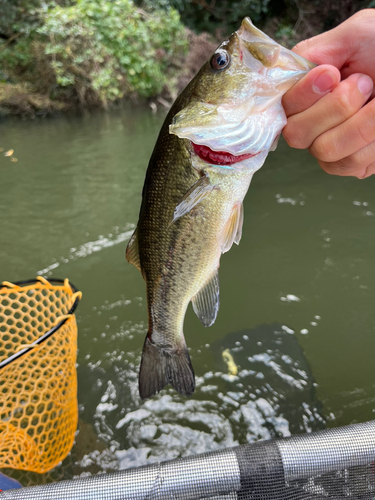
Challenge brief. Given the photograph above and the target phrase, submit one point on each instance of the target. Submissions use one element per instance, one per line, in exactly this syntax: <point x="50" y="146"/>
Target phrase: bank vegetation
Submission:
<point x="68" y="54"/>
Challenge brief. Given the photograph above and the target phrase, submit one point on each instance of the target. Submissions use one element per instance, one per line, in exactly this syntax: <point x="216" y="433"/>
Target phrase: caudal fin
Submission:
<point x="160" y="367"/>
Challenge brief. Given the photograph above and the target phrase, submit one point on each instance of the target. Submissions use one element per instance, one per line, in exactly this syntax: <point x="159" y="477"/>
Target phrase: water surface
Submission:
<point x="297" y="295"/>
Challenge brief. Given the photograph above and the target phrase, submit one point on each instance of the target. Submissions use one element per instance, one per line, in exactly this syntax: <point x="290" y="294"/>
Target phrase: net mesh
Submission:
<point x="38" y="418"/>
<point x="38" y="383"/>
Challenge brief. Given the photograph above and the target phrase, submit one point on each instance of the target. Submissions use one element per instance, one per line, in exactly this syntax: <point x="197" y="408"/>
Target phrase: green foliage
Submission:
<point x="286" y="35"/>
<point x="201" y="15"/>
<point x="112" y="46"/>
<point x="17" y="20"/>
<point x="297" y="18"/>
<point x="98" y="50"/>
<point x="17" y="16"/>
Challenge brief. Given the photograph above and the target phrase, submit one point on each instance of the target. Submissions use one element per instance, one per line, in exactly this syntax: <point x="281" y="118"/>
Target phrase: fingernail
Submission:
<point x="324" y="82"/>
<point x="365" y="84"/>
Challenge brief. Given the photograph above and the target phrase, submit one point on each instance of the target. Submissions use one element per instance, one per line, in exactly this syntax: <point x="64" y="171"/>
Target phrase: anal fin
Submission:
<point x="132" y="251"/>
<point x="206" y="302"/>
<point x="233" y="229"/>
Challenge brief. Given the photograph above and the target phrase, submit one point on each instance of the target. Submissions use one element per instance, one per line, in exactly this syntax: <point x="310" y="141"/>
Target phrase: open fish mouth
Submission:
<point x="244" y="117"/>
<point x="219" y="139"/>
<point x="221" y="158"/>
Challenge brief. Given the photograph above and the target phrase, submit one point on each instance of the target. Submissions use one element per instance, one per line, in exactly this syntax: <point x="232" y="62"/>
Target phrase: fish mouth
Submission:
<point x="219" y="157"/>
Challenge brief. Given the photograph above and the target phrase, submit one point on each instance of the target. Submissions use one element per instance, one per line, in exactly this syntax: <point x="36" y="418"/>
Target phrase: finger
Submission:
<point x="359" y="164"/>
<point x="365" y="172"/>
<point x="350" y="70"/>
<point x="332" y="47"/>
<point x="330" y="111"/>
<point x="328" y="48"/>
<point x="370" y="170"/>
<point x="344" y="140"/>
<point x="317" y="83"/>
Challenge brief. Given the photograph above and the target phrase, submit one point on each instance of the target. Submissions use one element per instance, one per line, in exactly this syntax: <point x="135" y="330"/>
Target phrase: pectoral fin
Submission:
<point x="206" y="302"/>
<point x="233" y="229"/>
<point x="198" y="191"/>
<point x="132" y="252"/>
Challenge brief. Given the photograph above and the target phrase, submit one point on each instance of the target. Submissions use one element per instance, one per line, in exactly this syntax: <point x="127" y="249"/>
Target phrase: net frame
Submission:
<point x="51" y="331"/>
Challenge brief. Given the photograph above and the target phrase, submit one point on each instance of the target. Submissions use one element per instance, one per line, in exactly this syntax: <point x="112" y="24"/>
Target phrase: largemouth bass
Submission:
<point x="216" y="135"/>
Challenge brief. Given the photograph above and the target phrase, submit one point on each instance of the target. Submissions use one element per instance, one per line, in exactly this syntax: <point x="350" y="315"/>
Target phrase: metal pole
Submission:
<point x="260" y="470"/>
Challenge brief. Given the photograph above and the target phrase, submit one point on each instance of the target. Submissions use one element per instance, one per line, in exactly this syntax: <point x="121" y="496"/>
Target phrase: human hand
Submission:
<point x="327" y="111"/>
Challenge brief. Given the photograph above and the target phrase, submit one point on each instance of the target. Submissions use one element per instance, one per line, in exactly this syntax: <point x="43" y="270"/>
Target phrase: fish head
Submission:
<point x="234" y="113"/>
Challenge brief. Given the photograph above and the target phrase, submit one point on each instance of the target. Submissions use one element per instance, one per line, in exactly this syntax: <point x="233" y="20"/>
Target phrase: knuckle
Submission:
<point x="344" y="105"/>
<point x="301" y="47"/>
<point x="287" y="102"/>
<point x="363" y="134"/>
<point x="324" y="149"/>
<point x="363" y="174"/>
<point x="371" y="108"/>
<point x="355" y="159"/>
<point x="342" y="166"/>
<point x="339" y="167"/>
<point x="288" y="136"/>
<point x="294" y="135"/>
<point x="369" y="170"/>
<point x="327" y="167"/>
<point x="366" y="129"/>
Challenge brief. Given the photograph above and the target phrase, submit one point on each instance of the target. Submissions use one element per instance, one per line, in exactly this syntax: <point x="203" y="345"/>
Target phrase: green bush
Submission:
<point x="208" y="16"/>
<point x="17" y="16"/>
<point x="95" y="51"/>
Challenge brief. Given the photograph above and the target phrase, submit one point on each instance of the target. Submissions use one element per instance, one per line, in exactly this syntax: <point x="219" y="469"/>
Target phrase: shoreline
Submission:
<point x="21" y="100"/>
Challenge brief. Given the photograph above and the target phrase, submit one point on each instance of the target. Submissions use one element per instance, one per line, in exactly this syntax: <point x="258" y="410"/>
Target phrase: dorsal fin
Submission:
<point x="206" y="302"/>
<point x="132" y="251"/>
<point x="196" y="193"/>
<point x="233" y="229"/>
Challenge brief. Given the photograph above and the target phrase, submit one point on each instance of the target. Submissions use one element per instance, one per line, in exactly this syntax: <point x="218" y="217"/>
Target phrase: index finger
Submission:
<point x="312" y="87"/>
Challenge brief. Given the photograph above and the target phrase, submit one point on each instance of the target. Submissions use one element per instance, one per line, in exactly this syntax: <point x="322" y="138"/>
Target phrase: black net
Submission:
<point x="333" y="464"/>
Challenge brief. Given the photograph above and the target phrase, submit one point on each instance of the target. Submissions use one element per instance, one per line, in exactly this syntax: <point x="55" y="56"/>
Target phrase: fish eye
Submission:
<point x="220" y="60"/>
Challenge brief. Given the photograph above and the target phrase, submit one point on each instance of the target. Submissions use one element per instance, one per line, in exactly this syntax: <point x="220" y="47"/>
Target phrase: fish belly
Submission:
<point x="181" y="258"/>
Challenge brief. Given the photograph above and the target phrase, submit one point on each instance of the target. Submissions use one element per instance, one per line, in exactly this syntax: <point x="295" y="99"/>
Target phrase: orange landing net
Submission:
<point x="38" y="381"/>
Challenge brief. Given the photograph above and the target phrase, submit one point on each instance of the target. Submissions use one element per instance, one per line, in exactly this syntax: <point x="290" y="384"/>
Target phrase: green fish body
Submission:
<point x="216" y="135"/>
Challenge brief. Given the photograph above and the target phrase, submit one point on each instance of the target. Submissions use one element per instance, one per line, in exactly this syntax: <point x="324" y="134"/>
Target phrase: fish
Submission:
<point x="216" y="135"/>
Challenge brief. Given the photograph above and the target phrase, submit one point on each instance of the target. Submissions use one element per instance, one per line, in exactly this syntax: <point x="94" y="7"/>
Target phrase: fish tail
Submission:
<point x="161" y="366"/>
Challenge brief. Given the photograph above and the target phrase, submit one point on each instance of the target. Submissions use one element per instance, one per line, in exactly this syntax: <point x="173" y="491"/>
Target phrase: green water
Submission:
<point x="297" y="296"/>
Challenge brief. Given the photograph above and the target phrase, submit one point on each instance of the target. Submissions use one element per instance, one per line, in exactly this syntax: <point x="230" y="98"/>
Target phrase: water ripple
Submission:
<point x="90" y="247"/>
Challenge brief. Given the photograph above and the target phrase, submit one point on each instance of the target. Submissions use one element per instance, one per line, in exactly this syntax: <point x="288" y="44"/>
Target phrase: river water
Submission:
<point x="297" y="311"/>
